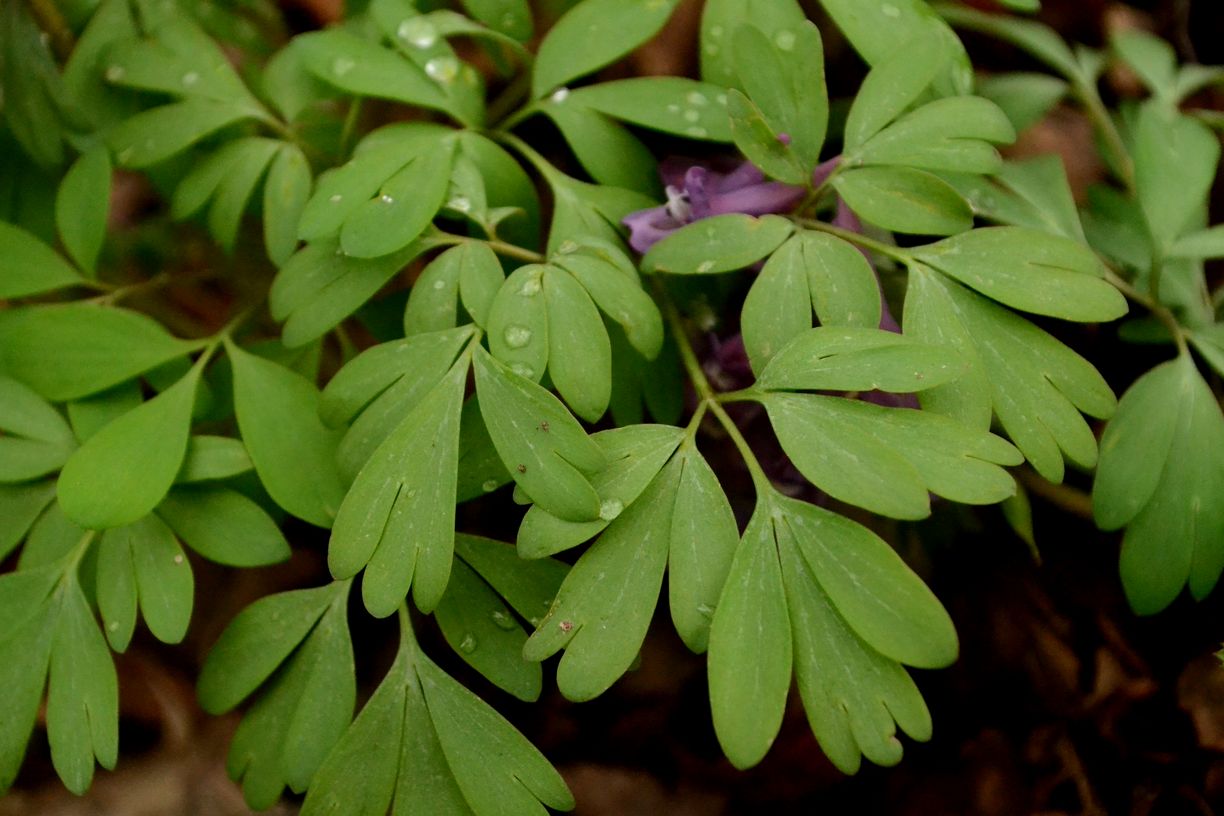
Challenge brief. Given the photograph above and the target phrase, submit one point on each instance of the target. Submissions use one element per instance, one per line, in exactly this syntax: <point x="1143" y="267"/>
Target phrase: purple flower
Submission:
<point x="697" y="190"/>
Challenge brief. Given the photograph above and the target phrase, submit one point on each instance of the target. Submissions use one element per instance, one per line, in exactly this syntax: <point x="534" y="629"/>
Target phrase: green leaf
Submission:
<point x="155" y="135"/>
<point x="124" y="470"/>
<point x="721" y="18"/>
<point x="892" y="86"/>
<point x="363" y="68"/>
<point x="34" y="439"/>
<point x="593" y="34"/>
<point x="81" y="207"/>
<point x="878" y="30"/>
<point x="621" y="298"/>
<point x="495" y="766"/>
<point x="223" y="526"/>
<point x="528" y="586"/>
<point x="294" y="454"/>
<point x="30" y="267"/>
<point x="319" y="286"/>
<point x="469" y="271"/>
<point x="609" y="152"/>
<point x="905" y="200"/>
<point x="545" y="449"/>
<point x="881" y="598"/>
<point x="1035" y="385"/>
<point x="682" y="107"/>
<point x="852" y="694"/>
<point x="398" y="518"/>
<point x="213" y="458"/>
<point x="762" y="143"/>
<point x="1160" y="473"/>
<point x="1025" y="98"/>
<point x="955" y="133"/>
<point x="702" y="545"/>
<point x="143" y="560"/>
<point x="52" y="538"/>
<point x="405" y="206"/>
<point x="72" y="350"/>
<point x="286" y="192"/>
<point x="82" y="694"/>
<point x="511" y="17"/>
<point x="20" y="506"/>
<point x="605" y="605"/>
<point x="783" y="75"/>
<point x="634" y="455"/>
<point x="750" y="647"/>
<point x="1208" y="243"/>
<point x="236" y="188"/>
<point x="1037" y="39"/>
<point x="830" y="358"/>
<point x="1153" y="59"/>
<point x="888" y="459"/>
<point x="1175" y="163"/>
<point x="584" y="211"/>
<point x="481" y="628"/>
<point x="257" y="641"/>
<point x="25" y="651"/>
<point x="579" y="353"/>
<point x="1029" y="270"/>
<point x="303" y="711"/>
<point x="809" y="270"/>
<point x="1033" y="193"/>
<point x="721" y="243"/>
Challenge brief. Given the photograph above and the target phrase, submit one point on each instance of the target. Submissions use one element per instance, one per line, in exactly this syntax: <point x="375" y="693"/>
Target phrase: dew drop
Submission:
<point x="335" y="199"/>
<point x="489" y="485"/>
<point x="530" y="287"/>
<point x="386" y="199"/>
<point x="468" y="644"/>
<point x="523" y="370"/>
<point x="610" y="509"/>
<point x="889" y="10"/>
<point x="697" y="98"/>
<point x="535" y="622"/>
<point x="342" y="65"/>
<point x="711" y="50"/>
<point x="567" y="248"/>
<point x="705" y="266"/>
<point x="417" y="32"/>
<point x="178" y="559"/>
<point x="190" y="78"/>
<point x="785" y="40"/>
<point x="113" y="626"/>
<point x="559" y="95"/>
<point x="698" y="132"/>
<point x="517" y="336"/>
<point x="503" y="620"/>
<point x="115" y="73"/>
<point x="442" y="69"/>
<point x="716" y="31"/>
<point x="439" y="284"/>
<point x="691" y="115"/>
<point x="722" y="99"/>
<point x="459" y="204"/>
<point x="705" y="610"/>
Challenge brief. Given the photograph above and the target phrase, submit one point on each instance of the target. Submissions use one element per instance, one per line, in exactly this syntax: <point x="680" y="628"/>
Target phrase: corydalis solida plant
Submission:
<point x="329" y="396"/>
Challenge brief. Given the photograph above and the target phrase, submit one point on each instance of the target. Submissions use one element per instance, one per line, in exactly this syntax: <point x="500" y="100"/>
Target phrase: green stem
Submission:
<point x="349" y="129"/>
<point x="1095" y="108"/>
<point x="501" y="109"/>
<point x="49" y="18"/>
<point x="709" y="400"/>
<point x="513" y="251"/>
<point x="896" y="253"/>
<point x="1158" y="310"/>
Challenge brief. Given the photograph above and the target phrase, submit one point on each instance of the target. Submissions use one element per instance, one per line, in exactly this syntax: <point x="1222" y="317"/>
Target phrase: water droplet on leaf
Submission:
<point x="489" y="485"/>
<point x="190" y="78"/>
<point x="503" y="620"/>
<point x="697" y="98"/>
<point x="417" y="32"/>
<point x="442" y="69"/>
<point x="610" y="509"/>
<point x="705" y="266"/>
<point x="335" y="199"/>
<point x="527" y="371"/>
<point x="889" y="10"/>
<point x="115" y="73"/>
<point x="468" y="644"/>
<point x="785" y="40"/>
<point x="517" y="336"/>
<point x="342" y="65"/>
<point x="559" y="95"/>
<point x="698" y="132"/>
